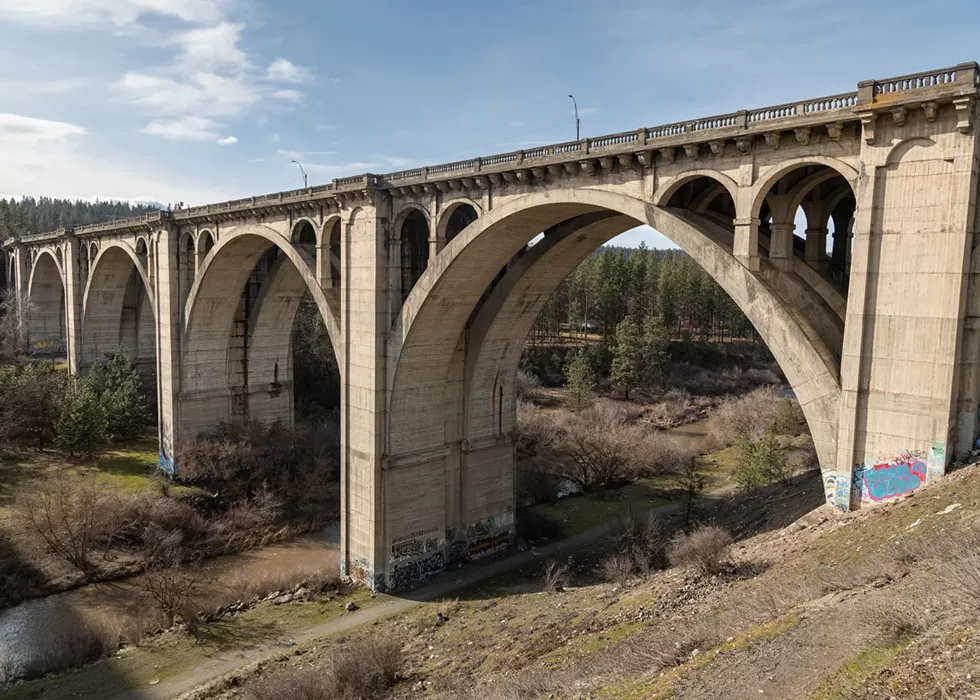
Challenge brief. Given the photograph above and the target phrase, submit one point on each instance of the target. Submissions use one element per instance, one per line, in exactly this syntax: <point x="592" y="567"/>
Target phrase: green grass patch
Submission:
<point x="662" y="687"/>
<point x="850" y="678"/>
<point x="583" y="512"/>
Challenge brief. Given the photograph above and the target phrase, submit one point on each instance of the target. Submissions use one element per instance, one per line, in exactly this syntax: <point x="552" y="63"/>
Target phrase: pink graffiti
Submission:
<point x="896" y="477"/>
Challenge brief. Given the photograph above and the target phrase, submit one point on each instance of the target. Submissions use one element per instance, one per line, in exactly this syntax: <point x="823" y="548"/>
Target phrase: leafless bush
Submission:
<point x="959" y="574"/>
<point x="617" y="568"/>
<point x="169" y="587"/>
<point x="525" y="385"/>
<point x="556" y="576"/>
<point x="536" y="430"/>
<point x="642" y="541"/>
<point x="705" y="550"/>
<point x="362" y="669"/>
<point x="677" y="407"/>
<point x="746" y="417"/>
<point x="669" y="453"/>
<point x="598" y="447"/>
<point x="64" y="513"/>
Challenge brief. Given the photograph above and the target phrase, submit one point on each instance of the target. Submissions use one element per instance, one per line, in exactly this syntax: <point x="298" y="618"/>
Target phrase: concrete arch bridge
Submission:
<point x="428" y="288"/>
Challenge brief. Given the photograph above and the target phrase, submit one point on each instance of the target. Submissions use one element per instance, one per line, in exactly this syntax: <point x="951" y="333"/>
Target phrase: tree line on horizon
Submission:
<point x="29" y="215"/>
<point x="666" y="288"/>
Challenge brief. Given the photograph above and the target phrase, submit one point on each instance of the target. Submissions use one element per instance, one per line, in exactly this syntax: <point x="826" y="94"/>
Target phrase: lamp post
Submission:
<point x="305" y="183"/>
<point x="577" y="136"/>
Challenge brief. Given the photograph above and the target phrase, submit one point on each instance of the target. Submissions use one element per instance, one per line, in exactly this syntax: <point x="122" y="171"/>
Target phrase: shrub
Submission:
<point x="617" y="568"/>
<point x="535" y="430"/>
<point x="64" y="512"/>
<point x="526" y="384"/>
<point x="787" y="418"/>
<point x="169" y="587"/>
<point x="363" y="669"/>
<point x="705" y="550"/>
<point x="119" y="389"/>
<point x="81" y="425"/>
<point x="745" y="418"/>
<point x="642" y="541"/>
<point x="30" y="399"/>
<point x="761" y="463"/>
<point x="556" y="576"/>
<point x="599" y="448"/>
<point x="538" y="527"/>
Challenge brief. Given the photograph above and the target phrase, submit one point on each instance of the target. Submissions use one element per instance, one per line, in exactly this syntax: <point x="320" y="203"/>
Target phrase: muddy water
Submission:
<point x="26" y="628"/>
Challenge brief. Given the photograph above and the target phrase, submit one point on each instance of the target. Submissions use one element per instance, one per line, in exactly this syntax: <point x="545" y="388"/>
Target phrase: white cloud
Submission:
<point x="119" y="13"/>
<point x="289" y="95"/>
<point x="206" y="48"/>
<point x="189" y="129"/>
<point x="284" y="71"/>
<point x="199" y="94"/>
<point x="16" y="129"/>
<point x="292" y="155"/>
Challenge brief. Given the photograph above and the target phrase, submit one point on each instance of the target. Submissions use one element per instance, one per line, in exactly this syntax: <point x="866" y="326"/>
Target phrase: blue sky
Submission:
<point x="205" y="100"/>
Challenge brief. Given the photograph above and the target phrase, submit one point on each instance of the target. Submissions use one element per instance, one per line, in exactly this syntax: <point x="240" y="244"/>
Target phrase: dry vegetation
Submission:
<point x="796" y="609"/>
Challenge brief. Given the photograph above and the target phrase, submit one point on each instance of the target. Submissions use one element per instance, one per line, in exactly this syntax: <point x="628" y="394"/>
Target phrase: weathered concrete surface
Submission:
<point x="428" y="290"/>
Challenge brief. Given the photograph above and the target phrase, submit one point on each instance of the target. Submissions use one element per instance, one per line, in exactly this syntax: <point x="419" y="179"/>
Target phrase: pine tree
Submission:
<point x="579" y="381"/>
<point x="627" y="357"/>
<point x="81" y="425"/>
<point x="654" y="354"/>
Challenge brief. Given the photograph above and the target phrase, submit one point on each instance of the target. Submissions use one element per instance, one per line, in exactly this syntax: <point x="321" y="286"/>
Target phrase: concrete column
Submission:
<point x="903" y="352"/>
<point x="746" y="246"/>
<point x="19" y="283"/>
<point x="73" y="301"/>
<point x="364" y="325"/>
<point x="781" y="245"/>
<point x="816" y="248"/>
<point x="434" y="247"/>
<point x="168" y="338"/>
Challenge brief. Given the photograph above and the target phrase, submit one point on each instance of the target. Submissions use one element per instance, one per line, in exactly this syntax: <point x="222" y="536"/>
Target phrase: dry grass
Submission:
<point x="705" y="550"/>
<point x="355" y="671"/>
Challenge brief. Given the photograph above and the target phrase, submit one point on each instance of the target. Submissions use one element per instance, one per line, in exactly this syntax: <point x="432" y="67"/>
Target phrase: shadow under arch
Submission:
<point x="118" y="308"/>
<point x="428" y="328"/>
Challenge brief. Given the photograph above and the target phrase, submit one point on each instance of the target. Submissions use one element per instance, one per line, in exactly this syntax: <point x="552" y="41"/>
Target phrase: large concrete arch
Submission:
<point x="46" y="303"/>
<point x="211" y="307"/>
<point x="429" y="326"/>
<point x="118" y="307"/>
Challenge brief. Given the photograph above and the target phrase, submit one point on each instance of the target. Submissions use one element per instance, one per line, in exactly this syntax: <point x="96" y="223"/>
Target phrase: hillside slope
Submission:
<point x="880" y="603"/>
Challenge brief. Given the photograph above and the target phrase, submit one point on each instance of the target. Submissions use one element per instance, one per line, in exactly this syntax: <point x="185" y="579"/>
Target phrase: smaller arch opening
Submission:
<point x="205" y="243"/>
<point x="304" y="236"/>
<point x="462" y="216"/>
<point x="141" y="251"/>
<point x="709" y="201"/>
<point x="414" y="236"/>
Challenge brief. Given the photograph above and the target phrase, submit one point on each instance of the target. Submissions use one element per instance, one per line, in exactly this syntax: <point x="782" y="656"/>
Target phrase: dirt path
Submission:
<point x="438" y="587"/>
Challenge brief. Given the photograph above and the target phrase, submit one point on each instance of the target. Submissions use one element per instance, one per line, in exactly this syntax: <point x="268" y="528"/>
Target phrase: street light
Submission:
<point x="305" y="183"/>
<point x="577" y="137"/>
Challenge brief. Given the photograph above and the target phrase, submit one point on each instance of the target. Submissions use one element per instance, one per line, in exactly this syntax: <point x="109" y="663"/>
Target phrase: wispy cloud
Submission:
<point x="294" y="96"/>
<point x="189" y="128"/>
<point x="118" y="13"/>
<point x="284" y="71"/>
